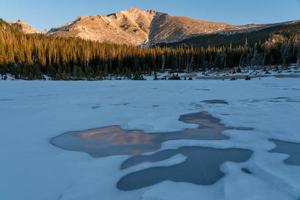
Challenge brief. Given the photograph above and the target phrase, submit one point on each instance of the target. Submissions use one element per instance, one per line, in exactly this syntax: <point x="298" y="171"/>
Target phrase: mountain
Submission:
<point x="151" y="28"/>
<point x="24" y="27"/>
<point x="139" y="27"/>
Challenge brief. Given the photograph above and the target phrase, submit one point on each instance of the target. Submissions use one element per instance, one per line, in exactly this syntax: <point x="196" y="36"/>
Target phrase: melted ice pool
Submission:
<point x="113" y="140"/>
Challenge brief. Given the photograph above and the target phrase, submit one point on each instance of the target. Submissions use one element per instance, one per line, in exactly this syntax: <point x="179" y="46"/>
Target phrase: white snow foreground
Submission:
<point x="33" y="112"/>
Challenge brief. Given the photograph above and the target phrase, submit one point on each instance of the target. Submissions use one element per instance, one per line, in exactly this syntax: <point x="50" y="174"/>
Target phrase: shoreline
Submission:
<point x="232" y="74"/>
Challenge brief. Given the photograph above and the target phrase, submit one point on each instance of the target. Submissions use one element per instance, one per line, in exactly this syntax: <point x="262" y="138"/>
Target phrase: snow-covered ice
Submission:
<point x="33" y="112"/>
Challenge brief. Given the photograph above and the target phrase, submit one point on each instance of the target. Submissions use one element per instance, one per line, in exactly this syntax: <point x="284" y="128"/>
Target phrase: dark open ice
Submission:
<point x="215" y="101"/>
<point x="290" y="148"/>
<point x="202" y="167"/>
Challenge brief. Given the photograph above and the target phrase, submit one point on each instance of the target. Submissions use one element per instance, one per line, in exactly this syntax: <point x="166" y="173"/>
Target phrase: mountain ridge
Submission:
<point x="145" y="28"/>
<point x="139" y="27"/>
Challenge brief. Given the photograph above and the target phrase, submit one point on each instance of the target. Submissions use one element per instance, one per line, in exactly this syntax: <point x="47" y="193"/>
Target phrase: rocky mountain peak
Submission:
<point x="23" y="26"/>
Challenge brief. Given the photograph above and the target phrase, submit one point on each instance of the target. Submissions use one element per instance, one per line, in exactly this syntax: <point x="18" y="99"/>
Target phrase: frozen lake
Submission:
<point x="140" y="140"/>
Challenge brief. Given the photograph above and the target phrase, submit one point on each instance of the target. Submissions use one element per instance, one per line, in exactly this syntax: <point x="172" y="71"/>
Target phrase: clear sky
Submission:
<point x="44" y="14"/>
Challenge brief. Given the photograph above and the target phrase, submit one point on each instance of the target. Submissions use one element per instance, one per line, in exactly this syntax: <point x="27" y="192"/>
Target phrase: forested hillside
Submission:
<point x="32" y="56"/>
<point x="281" y="32"/>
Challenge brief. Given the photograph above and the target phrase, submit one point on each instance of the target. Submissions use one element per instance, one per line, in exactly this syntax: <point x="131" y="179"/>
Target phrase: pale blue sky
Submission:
<point x="44" y="14"/>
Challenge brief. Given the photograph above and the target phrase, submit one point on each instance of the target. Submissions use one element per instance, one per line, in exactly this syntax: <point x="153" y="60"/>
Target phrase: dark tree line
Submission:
<point x="32" y="56"/>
